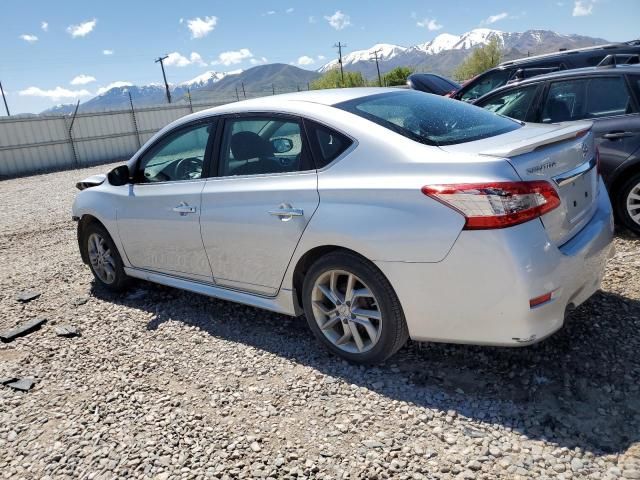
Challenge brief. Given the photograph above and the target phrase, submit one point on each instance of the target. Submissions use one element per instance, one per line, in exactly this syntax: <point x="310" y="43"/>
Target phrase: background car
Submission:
<point x="432" y="83"/>
<point x="378" y="213"/>
<point x="540" y="64"/>
<point x="610" y="97"/>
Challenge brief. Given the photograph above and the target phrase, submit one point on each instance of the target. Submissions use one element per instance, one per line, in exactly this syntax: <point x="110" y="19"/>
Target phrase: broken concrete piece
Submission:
<point x="5" y="380"/>
<point x="25" y="297"/>
<point x="67" y="331"/>
<point x="22" y="384"/>
<point x="20" y="330"/>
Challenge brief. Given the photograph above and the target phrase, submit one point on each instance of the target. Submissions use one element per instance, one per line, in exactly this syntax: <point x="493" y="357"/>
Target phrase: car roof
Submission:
<point x="571" y="73"/>
<point x="564" y="53"/>
<point x="329" y="96"/>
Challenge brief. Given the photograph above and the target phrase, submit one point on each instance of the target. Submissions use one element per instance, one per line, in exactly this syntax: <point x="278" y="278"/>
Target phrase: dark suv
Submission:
<point x="610" y="97"/>
<point x="540" y="64"/>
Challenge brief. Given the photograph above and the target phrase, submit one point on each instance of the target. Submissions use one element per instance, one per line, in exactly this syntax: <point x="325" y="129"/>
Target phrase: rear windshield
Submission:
<point x="428" y="118"/>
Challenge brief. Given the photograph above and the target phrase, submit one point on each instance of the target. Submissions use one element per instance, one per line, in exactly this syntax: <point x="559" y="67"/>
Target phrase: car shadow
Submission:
<point x="578" y="388"/>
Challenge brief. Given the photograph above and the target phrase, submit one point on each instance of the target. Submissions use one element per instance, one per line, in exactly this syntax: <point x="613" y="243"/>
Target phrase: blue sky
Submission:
<point x="56" y="52"/>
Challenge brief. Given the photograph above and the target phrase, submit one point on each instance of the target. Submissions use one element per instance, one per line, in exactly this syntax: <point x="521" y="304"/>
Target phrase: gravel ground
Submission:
<point x="167" y="384"/>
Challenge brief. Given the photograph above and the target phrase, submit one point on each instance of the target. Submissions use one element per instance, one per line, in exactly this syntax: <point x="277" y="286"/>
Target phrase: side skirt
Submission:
<point x="281" y="303"/>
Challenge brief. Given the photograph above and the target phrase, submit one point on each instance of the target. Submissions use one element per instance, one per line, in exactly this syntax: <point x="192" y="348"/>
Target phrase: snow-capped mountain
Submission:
<point x="445" y="51"/>
<point x="207" y="78"/>
<point x="385" y="51"/>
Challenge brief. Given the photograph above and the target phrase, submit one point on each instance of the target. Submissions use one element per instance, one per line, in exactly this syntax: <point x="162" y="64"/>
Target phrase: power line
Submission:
<point x="375" y="54"/>
<point x="339" y="46"/>
<point x="6" y="107"/>
<point x="166" y="85"/>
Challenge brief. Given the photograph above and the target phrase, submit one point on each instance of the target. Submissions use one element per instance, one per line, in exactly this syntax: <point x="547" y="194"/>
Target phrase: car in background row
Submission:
<point x="523" y="68"/>
<point x="610" y="98"/>
<point x="432" y="83"/>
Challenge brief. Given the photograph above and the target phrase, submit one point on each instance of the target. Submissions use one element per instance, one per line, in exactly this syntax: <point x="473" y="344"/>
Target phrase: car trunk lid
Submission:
<point x="563" y="155"/>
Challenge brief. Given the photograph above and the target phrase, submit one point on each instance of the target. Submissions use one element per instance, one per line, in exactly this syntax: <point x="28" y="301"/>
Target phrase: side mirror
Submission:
<point x="282" y="145"/>
<point x="119" y="176"/>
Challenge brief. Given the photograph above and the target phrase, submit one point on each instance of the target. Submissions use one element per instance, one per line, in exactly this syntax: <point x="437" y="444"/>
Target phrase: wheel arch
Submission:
<point x="622" y="175"/>
<point x="86" y="220"/>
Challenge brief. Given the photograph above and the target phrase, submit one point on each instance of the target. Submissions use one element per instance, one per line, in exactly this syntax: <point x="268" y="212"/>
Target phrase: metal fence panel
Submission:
<point x="33" y="144"/>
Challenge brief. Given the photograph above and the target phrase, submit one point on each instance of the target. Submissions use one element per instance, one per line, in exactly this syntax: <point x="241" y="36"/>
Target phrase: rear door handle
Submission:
<point x="287" y="213"/>
<point x="184" y="209"/>
<point x="617" y="135"/>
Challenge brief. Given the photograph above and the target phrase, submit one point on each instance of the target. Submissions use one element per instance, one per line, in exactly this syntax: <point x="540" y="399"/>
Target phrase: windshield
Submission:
<point x="485" y="84"/>
<point x="428" y="118"/>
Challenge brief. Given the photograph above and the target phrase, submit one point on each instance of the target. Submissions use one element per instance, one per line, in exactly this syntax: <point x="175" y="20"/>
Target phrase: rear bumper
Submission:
<point x="480" y="292"/>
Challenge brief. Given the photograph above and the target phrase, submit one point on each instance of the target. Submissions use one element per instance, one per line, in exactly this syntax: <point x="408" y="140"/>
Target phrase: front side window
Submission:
<point x="180" y="156"/>
<point x="513" y="103"/>
<point x="485" y="84"/>
<point x="263" y="145"/>
<point x="587" y="98"/>
<point x="429" y="119"/>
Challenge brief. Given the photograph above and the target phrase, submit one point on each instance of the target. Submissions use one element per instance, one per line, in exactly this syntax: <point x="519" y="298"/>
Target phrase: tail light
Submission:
<point x="497" y="204"/>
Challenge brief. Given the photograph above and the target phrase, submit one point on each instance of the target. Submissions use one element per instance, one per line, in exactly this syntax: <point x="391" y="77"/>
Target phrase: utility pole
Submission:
<point x="164" y="76"/>
<point x="340" y="46"/>
<point x="237" y="96"/>
<point x="243" y="92"/>
<point x="375" y="55"/>
<point x="6" y="107"/>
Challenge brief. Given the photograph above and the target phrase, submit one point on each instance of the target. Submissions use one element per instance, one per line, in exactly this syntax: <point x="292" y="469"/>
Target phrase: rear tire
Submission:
<point x="352" y="309"/>
<point x="628" y="203"/>
<point x="104" y="260"/>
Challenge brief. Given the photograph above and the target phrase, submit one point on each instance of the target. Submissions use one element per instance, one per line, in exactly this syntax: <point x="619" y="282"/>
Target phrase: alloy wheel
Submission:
<point x="101" y="259"/>
<point x="633" y="203"/>
<point x="346" y="311"/>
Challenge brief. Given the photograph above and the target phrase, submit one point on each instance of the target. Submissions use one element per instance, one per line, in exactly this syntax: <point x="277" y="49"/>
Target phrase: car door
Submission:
<point x="159" y="221"/>
<point x="605" y="99"/>
<point x="257" y="207"/>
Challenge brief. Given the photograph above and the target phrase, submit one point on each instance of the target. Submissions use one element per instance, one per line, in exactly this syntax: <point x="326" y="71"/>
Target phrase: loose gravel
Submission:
<point x="166" y="384"/>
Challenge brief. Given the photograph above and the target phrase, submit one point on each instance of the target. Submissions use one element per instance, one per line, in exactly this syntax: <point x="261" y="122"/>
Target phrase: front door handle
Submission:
<point x="286" y="213"/>
<point x="184" y="209"/>
<point x="617" y="135"/>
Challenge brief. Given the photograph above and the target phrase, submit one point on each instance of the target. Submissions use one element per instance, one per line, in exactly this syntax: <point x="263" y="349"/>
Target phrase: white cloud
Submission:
<point x="289" y="10"/>
<point x="234" y="56"/>
<point x="271" y="12"/>
<point x="582" y="8"/>
<point x="29" y="38"/>
<point x="495" y="18"/>
<point x="196" y="58"/>
<point x="82" y="79"/>
<point x="321" y="57"/>
<point x="107" y="52"/>
<point x="54" y="94"/>
<point x="176" y="59"/>
<point x="305" y="60"/>
<point x="117" y="84"/>
<point x="82" y="29"/>
<point x="200" y="27"/>
<point x="339" y="20"/>
<point x="430" y="24"/>
<point x="258" y="61"/>
<point x="44" y="26"/>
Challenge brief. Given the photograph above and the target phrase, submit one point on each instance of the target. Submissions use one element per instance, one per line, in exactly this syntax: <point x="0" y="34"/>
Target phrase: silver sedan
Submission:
<point x="379" y="214"/>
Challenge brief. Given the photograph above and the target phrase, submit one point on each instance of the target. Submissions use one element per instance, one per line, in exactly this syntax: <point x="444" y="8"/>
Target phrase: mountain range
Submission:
<point x="440" y="55"/>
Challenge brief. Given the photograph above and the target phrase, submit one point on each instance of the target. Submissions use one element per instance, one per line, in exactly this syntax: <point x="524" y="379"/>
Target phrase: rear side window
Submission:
<point x="327" y="144"/>
<point x="429" y="119"/>
<point x="587" y="98"/>
<point x="513" y="103"/>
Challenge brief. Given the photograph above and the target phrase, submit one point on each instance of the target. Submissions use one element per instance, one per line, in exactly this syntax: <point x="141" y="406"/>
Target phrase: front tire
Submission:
<point x="628" y="203"/>
<point x="104" y="260"/>
<point x="352" y="309"/>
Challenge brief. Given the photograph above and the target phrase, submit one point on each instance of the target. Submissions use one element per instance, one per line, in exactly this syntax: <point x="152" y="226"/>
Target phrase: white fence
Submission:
<point x="34" y="144"/>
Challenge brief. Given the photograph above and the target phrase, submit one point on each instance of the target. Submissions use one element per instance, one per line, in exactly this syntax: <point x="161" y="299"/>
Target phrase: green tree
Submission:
<point x="397" y="76"/>
<point x="480" y="60"/>
<point x="333" y="79"/>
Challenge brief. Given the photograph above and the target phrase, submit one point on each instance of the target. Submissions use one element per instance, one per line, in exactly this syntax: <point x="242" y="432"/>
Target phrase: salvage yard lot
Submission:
<point x="167" y="384"/>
